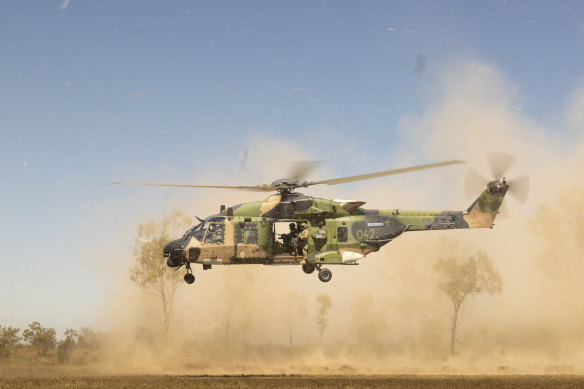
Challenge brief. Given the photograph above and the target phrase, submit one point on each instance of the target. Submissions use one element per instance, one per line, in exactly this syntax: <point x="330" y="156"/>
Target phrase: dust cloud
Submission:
<point x="388" y="314"/>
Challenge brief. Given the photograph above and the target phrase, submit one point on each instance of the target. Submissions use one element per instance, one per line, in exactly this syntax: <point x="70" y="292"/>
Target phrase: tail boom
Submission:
<point x="481" y="213"/>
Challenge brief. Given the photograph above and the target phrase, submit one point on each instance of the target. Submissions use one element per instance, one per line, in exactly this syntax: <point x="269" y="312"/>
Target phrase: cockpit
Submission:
<point x="210" y="230"/>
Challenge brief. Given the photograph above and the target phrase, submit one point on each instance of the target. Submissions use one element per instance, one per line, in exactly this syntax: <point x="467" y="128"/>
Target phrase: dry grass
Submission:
<point x="287" y="381"/>
<point x="25" y="369"/>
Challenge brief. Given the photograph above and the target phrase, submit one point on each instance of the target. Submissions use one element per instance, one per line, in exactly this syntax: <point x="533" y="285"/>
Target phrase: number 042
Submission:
<point x="367" y="234"/>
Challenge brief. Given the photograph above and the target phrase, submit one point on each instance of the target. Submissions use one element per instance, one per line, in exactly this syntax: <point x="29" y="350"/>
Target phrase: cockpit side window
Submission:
<point x="215" y="233"/>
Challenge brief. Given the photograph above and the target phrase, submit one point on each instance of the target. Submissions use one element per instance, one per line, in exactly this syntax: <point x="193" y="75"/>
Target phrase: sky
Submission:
<point x="95" y="92"/>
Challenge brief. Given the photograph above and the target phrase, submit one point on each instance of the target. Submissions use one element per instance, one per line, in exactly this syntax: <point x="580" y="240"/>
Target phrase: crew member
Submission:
<point x="293" y="239"/>
<point x="303" y="240"/>
<point x="215" y="233"/>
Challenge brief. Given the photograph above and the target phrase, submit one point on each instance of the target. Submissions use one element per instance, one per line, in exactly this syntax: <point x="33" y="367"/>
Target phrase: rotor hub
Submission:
<point x="286" y="185"/>
<point x="498" y="186"/>
<point x="291" y="182"/>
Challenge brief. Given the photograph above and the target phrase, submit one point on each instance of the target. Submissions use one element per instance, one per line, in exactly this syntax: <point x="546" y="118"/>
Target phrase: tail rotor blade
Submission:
<point x="519" y="187"/>
<point x="499" y="162"/>
<point x="504" y="212"/>
<point x="474" y="183"/>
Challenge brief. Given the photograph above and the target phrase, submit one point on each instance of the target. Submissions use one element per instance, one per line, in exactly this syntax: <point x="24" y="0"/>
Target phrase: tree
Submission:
<point x="558" y="228"/>
<point x="325" y="304"/>
<point x="295" y="308"/>
<point x="88" y="339"/>
<point x="369" y="322"/>
<point x="150" y="271"/>
<point x="8" y="339"/>
<point x="40" y="338"/>
<point x="461" y="279"/>
<point x="65" y="346"/>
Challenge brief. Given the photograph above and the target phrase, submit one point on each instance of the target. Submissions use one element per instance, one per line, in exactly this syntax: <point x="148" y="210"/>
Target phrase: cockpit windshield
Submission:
<point x="198" y="231"/>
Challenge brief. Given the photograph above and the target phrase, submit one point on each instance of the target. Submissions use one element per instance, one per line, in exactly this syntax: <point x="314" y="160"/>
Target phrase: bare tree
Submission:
<point x="324" y="304"/>
<point x="463" y="278"/>
<point x="150" y="271"/>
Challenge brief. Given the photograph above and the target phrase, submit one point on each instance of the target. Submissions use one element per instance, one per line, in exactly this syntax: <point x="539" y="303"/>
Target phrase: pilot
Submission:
<point x="215" y="233"/>
<point x="303" y="240"/>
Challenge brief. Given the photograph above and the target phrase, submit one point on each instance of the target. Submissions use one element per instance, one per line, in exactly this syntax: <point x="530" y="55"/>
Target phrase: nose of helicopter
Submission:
<point x="175" y="244"/>
<point x="175" y="253"/>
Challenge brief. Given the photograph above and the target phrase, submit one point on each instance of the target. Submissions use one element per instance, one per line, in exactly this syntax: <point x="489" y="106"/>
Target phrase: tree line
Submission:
<point x="43" y="340"/>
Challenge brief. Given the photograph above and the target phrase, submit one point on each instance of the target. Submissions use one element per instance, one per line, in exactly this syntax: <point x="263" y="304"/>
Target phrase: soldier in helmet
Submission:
<point x="215" y="233"/>
<point x="303" y="240"/>
<point x="293" y="239"/>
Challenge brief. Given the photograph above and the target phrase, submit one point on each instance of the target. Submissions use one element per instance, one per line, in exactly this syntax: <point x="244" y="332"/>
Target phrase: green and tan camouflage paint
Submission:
<point x="340" y="232"/>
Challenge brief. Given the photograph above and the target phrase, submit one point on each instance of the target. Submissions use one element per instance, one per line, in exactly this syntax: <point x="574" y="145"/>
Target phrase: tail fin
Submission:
<point x="483" y="211"/>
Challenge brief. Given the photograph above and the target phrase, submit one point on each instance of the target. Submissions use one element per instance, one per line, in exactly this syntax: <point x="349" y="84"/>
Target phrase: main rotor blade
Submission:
<point x="499" y="162"/>
<point x="254" y="188"/>
<point x="384" y="173"/>
<point x="301" y="169"/>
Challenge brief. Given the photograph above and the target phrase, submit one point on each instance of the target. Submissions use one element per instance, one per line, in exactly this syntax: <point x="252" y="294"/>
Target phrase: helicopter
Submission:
<point x="339" y="232"/>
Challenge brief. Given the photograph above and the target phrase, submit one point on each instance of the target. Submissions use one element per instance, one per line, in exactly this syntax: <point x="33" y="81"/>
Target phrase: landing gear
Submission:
<point x="325" y="275"/>
<point x="308" y="268"/>
<point x="189" y="277"/>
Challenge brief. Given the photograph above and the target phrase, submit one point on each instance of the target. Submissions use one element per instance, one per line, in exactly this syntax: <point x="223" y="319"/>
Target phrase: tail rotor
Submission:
<point x="499" y="164"/>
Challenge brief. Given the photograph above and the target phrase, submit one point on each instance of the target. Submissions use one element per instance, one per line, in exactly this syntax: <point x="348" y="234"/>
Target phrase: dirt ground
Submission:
<point x="292" y="381"/>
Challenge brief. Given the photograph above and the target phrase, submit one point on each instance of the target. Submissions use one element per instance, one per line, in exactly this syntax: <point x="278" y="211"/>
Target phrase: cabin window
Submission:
<point x="250" y="236"/>
<point x="215" y="233"/>
<point x="342" y="235"/>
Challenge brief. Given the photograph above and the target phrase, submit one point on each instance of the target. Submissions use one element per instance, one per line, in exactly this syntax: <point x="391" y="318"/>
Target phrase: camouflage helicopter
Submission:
<point x="336" y="232"/>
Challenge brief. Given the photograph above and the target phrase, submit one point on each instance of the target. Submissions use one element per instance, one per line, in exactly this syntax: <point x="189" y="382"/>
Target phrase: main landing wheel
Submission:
<point x="189" y="278"/>
<point x="308" y="268"/>
<point x="325" y="275"/>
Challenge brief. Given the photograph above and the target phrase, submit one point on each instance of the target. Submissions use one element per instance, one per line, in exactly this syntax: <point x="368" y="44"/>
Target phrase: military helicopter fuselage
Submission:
<point x="292" y="228"/>
<point x="340" y="232"/>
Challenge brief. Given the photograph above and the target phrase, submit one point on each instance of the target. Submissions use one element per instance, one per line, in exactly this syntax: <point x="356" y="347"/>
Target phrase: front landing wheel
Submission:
<point x="189" y="278"/>
<point x="308" y="268"/>
<point x="325" y="275"/>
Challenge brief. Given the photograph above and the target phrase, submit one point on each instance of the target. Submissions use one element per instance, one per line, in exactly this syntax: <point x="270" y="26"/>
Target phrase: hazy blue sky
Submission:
<point x="93" y="92"/>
